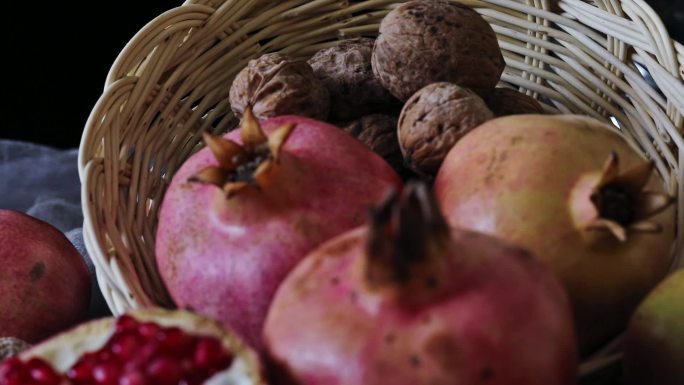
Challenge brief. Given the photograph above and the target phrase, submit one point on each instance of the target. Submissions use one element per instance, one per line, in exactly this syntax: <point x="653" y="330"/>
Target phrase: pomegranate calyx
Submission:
<point x="407" y="238"/>
<point x="243" y="166"/>
<point x="622" y="204"/>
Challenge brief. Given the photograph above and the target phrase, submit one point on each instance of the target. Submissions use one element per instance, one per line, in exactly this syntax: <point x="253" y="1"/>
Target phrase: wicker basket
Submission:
<point x="609" y="59"/>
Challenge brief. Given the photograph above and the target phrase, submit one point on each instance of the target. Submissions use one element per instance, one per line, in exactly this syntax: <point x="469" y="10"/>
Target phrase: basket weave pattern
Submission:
<point x="609" y="59"/>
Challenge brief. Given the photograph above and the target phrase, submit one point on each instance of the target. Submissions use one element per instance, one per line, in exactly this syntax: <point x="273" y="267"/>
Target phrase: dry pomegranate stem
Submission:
<point x="621" y="202"/>
<point x="407" y="240"/>
<point x="241" y="166"/>
<point x="137" y="353"/>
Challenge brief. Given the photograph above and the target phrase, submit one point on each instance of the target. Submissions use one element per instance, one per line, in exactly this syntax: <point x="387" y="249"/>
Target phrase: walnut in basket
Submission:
<point x="423" y="42"/>
<point x="345" y="70"/>
<point x="433" y="120"/>
<point x="10" y="347"/>
<point x="379" y="132"/>
<point x="275" y="84"/>
<point x="506" y="101"/>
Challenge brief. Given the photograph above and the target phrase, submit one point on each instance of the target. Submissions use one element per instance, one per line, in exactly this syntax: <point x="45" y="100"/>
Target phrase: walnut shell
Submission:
<point x="10" y="347"/>
<point x="505" y="101"/>
<point x="433" y="120"/>
<point x="274" y="85"/>
<point x="379" y="133"/>
<point x="423" y="42"/>
<point x="345" y="70"/>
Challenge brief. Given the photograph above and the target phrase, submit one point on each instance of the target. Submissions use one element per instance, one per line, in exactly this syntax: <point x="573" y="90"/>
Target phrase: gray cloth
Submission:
<point x="43" y="182"/>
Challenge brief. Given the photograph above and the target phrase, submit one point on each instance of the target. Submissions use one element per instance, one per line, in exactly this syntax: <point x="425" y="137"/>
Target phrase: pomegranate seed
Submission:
<point x="142" y="357"/>
<point x="173" y="341"/>
<point x="126" y="322"/>
<point x="83" y="369"/>
<point x="42" y="372"/>
<point x="124" y="345"/>
<point x="132" y="378"/>
<point x="105" y="356"/>
<point x="107" y="373"/>
<point x="149" y="330"/>
<point x="10" y="365"/>
<point x="14" y="372"/>
<point x="165" y="371"/>
<point x="209" y="355"/>
<point x="46" y="376"/>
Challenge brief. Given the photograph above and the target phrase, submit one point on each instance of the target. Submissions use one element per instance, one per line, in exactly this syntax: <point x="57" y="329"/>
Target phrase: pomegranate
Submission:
<point x="408" y="300"/>
<point x="578" y="196"/>
<point x="151" y="346"/>
<point x="653" y="345"/>
<point x="241" y="213"/>
<point x="44" y="281"/>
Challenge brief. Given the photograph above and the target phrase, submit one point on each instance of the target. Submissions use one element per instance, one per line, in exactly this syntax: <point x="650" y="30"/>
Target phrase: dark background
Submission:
<point x="59" y="53"/>
<point x="57" y="59"/>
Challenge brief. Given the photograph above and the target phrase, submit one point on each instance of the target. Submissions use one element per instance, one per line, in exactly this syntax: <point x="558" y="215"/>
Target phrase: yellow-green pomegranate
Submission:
<point x="654" y="340"/>
<point x="578" y="196"/>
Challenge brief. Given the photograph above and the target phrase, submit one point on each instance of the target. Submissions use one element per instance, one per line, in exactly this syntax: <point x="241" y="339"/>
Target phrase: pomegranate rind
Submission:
<point x="44" y="281"/>
<point x="528" y="179"/>
<point x="506" y="314"/>
<point x="63" y="350"/>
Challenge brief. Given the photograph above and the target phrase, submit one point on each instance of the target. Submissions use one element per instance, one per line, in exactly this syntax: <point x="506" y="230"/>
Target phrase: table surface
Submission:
<point x="57" y="70"/>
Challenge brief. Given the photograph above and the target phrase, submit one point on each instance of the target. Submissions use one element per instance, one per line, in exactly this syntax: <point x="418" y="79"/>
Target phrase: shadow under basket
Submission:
<point x="612" y="60"/>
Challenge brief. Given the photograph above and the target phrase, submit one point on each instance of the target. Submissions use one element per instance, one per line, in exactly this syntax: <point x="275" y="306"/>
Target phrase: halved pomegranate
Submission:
<point x="152" y="346"/>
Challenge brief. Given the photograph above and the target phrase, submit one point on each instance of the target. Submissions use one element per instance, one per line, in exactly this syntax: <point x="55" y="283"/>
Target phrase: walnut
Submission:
<point x="346" y="72"/>
<point x="379" y="132"/>
<point x="423" y="42"/>
<point x="275" y="85"/>
<point x="433" y="120"/>
<point x="10" y="346"/>
<point x="505" y="101"/>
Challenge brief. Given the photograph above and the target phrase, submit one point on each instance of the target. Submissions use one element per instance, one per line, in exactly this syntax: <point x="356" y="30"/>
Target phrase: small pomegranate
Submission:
<point x="578" y="196"/>
<point x="408" y="300"/>
<point x="653" y="344"/>
<point x="151" y="346"/>
<point x="44" y="281"/>
<point x="238" y="217"/>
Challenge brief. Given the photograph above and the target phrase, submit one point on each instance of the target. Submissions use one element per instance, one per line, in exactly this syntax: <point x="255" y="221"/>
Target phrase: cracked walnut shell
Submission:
<point x="423" y="42"/>
<point x="274" y="85"/>
<point x="433" y="120"/>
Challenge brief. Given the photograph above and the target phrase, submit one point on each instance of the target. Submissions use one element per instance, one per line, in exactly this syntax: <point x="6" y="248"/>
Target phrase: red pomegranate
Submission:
<point x="44" y="281"/>
<point x="409" y="300"/>
<point x="240" y="214"/>
<point x="578" y="196"/>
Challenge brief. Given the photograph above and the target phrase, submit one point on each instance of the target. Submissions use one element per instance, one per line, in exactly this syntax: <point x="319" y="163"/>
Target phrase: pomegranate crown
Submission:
<point x="243" y="166"/>
<point x="621" y="202"/>
<point x="406" y="242"/>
